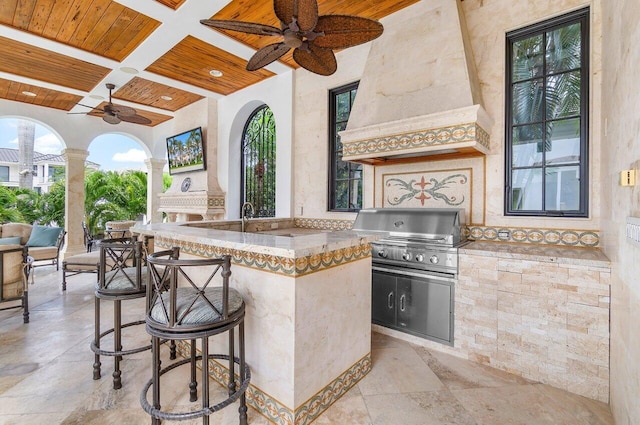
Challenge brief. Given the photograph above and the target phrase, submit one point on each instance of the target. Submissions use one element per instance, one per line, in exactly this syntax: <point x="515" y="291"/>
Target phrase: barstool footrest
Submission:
<point x="102" y="352"/>
<point x="178" y="416"/>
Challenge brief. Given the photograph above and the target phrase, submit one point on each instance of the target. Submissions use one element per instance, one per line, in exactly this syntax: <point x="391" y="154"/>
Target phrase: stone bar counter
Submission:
<point x="308" y="307"/>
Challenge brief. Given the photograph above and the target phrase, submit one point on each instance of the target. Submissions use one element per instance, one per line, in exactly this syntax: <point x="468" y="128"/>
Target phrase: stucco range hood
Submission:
<point x="461" y="131"/>
<point x="419" y="94"/>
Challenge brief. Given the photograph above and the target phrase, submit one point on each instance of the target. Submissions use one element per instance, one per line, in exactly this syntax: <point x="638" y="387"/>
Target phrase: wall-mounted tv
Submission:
<point x="185" y="152"/>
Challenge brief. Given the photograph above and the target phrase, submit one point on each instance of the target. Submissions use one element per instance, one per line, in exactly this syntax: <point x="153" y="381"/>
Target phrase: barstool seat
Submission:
<point x="194" y="310"/>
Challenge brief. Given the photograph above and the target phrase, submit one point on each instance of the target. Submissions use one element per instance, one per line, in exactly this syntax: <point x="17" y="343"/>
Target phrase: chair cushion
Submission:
<point x="82" y="262"/>
<point x="117" y="280"/>
<point x="17" y="229"/>
<point x="14" y="240"/>
<point x="43" y="252"/>
<point x="201" y="312"/>
<point x="44" y="235"/>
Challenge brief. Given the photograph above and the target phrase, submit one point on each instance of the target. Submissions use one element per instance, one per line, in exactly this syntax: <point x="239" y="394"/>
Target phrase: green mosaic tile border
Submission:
<point x="273" y="263"/>
<point x="323" y="223"/>
<point x="556" y="237"/>
<point x="278" y="413"/>
<point x="317" y="404"/>
<point x="468" y="132"/>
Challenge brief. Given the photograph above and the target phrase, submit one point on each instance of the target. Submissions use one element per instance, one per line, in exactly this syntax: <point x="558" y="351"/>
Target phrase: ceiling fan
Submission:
<point x="114" y="114"/>
<point x="312" y="37"/>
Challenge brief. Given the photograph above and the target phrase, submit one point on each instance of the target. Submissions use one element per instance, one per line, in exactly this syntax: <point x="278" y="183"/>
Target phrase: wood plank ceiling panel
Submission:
<point x="173" y="4"/>
<point x="103" y="27"/>
<point x="12" y="90"/>
<point x="261" y="11"/>
<point x="40" y="64"/>
<point x="191" y="60"/>
<point x="150" y="93"/>
<point x="153" y="116"/>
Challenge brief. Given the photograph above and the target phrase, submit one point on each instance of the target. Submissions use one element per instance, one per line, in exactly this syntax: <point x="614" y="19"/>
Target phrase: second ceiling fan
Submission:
<point x="312" y="37"/>
<point x="114" y="114"/>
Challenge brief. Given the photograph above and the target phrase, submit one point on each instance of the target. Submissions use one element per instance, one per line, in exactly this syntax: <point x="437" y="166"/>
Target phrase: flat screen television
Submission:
<point x="185" y="152"/>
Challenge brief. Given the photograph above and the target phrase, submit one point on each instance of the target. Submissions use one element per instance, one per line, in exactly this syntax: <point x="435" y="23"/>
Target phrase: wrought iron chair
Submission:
<point x="183" y="304"/>
<point x="15" y="267"/>
<point x="121" y="276"/>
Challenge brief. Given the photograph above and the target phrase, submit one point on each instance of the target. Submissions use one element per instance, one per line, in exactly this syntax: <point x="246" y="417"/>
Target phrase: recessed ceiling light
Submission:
<point x="96" y="96"/>
<point x="167" y="98"/>
<point x="29" y="93"/>
<point x="215" y="73"/>
<point x="129" y="70"/>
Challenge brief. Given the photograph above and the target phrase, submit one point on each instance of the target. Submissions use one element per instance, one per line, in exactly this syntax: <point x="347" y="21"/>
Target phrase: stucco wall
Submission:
<point x="620" y="135"/>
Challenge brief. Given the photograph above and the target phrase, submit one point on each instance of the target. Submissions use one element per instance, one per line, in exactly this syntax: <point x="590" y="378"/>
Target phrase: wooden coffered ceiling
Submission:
<point x="155" y="52"/>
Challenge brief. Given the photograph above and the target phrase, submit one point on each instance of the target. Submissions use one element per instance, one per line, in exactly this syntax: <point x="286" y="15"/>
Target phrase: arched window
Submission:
<point x="259" y="162"/>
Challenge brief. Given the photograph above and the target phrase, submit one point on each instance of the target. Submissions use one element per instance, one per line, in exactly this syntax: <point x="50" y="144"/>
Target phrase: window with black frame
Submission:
<point x="345" y="178"/>
<point x="259" y="162"/>
<point x="547" y="111"/>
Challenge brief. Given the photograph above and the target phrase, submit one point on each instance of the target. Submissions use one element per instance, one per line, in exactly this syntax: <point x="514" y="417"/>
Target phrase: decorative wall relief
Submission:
<point x="428" y="189"/>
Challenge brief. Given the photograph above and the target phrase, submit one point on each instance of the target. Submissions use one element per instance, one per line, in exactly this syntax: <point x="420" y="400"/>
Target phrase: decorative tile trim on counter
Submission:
<point x="323" y="223"/>
<point x="272" y="263"/>
<point x="312" y="408"/>
<point x="277" y="412"/>
<point x="558" y="237"/>
<point x="469" y="132"/>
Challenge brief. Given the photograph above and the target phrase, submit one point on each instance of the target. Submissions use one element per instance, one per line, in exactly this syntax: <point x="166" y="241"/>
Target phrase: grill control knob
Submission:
<point x="434" y="259"/>
<point x="420" y="258"/>
<point x="382" y="253"/>
<point x="406" y="256"/>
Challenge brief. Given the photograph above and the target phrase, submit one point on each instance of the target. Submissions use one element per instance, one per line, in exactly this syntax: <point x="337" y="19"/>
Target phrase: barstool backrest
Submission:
<point x="120" y="270"/>
<point x="181" y="294"/>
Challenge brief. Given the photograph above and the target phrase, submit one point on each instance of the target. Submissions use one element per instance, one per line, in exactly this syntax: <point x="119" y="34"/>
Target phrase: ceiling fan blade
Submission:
<point x="136" y="119"/>
<point x="317" y="59"/>
<point x="111" y="119"/>
<point x="90" y="107"/>
<point x="121" y="110"/>
<point x="266" y="55"/>
<point x="305" y="12"/>
<point x="342" y="31"/>
<point x="246" y="27"/>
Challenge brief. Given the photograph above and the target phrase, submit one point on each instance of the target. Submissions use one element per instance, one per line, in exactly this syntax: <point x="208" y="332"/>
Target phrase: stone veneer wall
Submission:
<point x="544" y="319"/>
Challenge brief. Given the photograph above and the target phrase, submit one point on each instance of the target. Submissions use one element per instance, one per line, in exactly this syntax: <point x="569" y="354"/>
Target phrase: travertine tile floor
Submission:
<point x="46" y="378"/>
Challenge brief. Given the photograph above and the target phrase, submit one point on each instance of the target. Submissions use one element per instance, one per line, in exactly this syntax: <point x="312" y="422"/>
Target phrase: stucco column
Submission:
<point x="154" y="187"/>
<point x="74" y="200"/>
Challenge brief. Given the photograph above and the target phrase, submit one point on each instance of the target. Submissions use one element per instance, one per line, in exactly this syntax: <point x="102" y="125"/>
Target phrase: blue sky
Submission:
<point x="111" y="151"/>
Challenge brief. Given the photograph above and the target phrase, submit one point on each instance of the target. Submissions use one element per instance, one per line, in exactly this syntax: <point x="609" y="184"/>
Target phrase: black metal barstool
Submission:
<point x="121" y="276"/>
<point x="184" y="305"/>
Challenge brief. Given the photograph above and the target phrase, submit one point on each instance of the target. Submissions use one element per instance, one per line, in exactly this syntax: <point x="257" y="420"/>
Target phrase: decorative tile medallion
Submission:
<point x="272" y="263"/>
<point x="280" y="414"/>
<point x="428" y="189"/>
<point x="558" y="237"/>
<point x="470" y="132"/>
<point x="323" y="223"/>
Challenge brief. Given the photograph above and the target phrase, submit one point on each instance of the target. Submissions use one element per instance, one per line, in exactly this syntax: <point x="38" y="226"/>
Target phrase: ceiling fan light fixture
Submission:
<point x="29" y="93"/>
<point x="215" y="73"/>
<point x="165" y="97"/>
<point x="128" y="70"/>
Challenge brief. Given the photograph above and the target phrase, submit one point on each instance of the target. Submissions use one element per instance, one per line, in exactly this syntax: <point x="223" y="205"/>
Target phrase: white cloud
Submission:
<point x="48" y="143"/>
<point x="132" y="155"/>
<point x="13" y="142"/>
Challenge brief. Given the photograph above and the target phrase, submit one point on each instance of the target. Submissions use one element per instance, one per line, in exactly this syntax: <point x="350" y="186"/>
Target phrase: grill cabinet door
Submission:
<point x="383" y="299"/>
<point x="424" y="306"/>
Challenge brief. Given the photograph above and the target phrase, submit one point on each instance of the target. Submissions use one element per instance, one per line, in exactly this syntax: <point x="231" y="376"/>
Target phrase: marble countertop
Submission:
<point x="291" y="242"/>
<point x="553" y="254"/>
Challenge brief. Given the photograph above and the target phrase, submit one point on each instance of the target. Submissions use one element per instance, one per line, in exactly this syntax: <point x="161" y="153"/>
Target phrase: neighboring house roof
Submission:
<point x="12" y="155"/>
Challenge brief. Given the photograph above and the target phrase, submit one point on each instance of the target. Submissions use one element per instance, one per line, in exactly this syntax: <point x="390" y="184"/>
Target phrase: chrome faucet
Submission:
<point x="243" y="213"/>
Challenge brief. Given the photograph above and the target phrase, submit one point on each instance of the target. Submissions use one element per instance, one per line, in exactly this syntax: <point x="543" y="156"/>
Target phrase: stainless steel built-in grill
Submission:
<point x="414" y="268"/>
